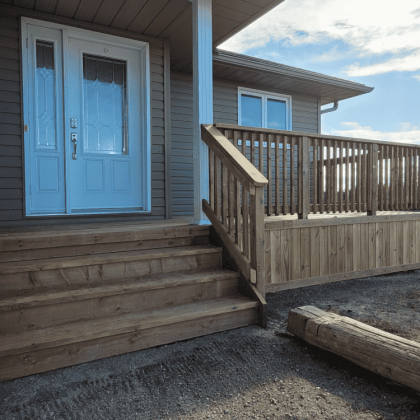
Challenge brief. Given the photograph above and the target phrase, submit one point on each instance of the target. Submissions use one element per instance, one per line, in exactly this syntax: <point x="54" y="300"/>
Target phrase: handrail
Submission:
<point x="223" y="126"/>
<point x="236" y="208"/>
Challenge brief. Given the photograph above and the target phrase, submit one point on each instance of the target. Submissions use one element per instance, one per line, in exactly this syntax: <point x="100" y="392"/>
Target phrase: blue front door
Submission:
<point x="104" y="123"/>
<point x="86" y="122"/>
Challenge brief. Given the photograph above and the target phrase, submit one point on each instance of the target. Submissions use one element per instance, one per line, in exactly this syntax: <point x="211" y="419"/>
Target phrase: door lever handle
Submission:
<point x="74" y="154"/>
<point x="73" y="137"/>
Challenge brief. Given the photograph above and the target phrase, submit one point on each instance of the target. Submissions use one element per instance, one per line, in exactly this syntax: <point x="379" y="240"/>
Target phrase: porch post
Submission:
<point x="202" y="100"/>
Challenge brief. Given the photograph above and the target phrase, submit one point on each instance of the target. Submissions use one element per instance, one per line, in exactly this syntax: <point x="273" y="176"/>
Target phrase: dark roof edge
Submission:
<point x="252" y="63"/>
<point x="253" y="18"/>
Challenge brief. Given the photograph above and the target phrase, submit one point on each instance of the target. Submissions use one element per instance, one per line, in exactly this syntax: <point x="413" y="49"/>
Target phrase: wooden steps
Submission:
<point x="63" y="303"/>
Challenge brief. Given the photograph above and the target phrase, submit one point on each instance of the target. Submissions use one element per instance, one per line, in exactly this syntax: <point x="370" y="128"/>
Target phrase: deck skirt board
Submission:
<point x="76" y="294"/>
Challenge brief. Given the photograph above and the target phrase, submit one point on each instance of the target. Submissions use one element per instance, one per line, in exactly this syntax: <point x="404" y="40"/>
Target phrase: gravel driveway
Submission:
<point x="249" y="373"/>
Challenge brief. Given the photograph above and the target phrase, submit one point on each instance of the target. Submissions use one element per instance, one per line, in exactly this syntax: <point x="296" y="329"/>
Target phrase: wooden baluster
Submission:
<point x="392" y="177"/>
<point x="386" y="191"/>
<point x="253" y="141"/>
<point x="292" y="175"/>
<point x="341" y="180"/>
<point x="269" y="175"/>
<point x="410" y="179"/>
<point x="353" y="178"/>
<point x="211" y="179"/>
<point x="381" y="178"/>
<point x="257" y="237"/>
<point x="217" y="187"/>
<point x="315" y="179"/>
<point x="304" y="178"/>
<point x="348" y="179"/>
<point x="277" y="163"/>
<point x="401" y="179"/>
<point x="321" y="176"/>
<point x="415" y="179"/>
<point x="238" y="237"/>
<point x="245" y="222"/>
<point x="261" y="153"/>
<point x="328" y="178"/>
<point x="285" y="210"/>
<point x="225" y="198"/>
<point x="231" y="204"/>
<point x="374" y="152"/>
<point x="359" y="177"/>
<point x="334" y="181"/>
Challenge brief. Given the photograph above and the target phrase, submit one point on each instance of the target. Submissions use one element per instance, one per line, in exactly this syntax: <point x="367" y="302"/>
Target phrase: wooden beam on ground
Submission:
<point x="380" y="352"/>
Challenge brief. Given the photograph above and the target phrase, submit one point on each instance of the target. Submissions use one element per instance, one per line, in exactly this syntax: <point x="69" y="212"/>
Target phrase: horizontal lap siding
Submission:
<point x="11" y="179"/>
<point x="11" y="154"/>
<point x="225" y="101"/>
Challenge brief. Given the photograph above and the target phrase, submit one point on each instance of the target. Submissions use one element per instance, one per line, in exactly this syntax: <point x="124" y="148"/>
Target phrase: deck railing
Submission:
<point x="234" y="181"/>
<point x="313" y="173"/>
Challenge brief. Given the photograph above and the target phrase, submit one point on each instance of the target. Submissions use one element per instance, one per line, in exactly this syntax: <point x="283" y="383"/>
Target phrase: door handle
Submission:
<point x="74" y="140"/>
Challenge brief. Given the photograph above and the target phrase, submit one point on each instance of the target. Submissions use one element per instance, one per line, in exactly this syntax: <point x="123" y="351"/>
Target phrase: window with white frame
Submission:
<point x="257" y="108"/>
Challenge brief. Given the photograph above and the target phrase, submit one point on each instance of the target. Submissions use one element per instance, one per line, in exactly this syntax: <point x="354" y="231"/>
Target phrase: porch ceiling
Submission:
<point x="249" y="70"/>
<point x="159" y="18"/>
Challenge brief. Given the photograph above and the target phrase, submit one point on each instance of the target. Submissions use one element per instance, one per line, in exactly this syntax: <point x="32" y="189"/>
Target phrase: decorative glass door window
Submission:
<point x="105" y="108"/>
<point x="264" y="109"/>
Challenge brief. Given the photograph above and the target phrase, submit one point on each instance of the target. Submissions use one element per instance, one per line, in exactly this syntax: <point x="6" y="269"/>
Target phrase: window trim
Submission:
<point x="264" y="95"/>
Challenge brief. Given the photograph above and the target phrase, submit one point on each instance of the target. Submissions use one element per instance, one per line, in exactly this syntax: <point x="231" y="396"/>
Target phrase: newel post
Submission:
<point x="257" y="237"/>
<point x="305" y="173"/>
<point x="373" y="193"/>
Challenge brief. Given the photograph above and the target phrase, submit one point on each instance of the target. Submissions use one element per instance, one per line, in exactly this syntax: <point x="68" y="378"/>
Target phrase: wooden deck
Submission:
<point x="73" y="294"/>
<point x="334" y="247"/>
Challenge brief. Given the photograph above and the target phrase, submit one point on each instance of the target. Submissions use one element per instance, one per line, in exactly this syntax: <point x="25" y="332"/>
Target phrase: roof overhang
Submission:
<point x="267" y="74"/>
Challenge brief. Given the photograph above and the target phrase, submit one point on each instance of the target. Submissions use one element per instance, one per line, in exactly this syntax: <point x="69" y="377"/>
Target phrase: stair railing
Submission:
<point x="236" y="207"/>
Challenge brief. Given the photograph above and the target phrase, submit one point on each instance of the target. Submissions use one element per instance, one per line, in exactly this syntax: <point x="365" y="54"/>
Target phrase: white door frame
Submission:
<point x="145" y="117"/>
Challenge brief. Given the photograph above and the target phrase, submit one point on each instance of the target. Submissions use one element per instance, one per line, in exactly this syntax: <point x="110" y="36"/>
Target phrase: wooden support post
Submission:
<point x="378" y="351"/>
<point x="306" y="180"/>
<point x="374" y="180"/>
<point x="257" y="237"/>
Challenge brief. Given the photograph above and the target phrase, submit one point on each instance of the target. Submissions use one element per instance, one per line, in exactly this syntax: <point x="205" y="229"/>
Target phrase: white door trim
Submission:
<point x="66" y="32"/>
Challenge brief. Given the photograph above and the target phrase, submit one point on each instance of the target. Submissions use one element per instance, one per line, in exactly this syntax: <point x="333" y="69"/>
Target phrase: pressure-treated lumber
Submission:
<point x="383" y="353"/>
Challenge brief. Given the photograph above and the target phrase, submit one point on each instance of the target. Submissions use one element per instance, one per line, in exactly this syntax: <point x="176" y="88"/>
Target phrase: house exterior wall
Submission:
<point x="225" y="100"/>
<point x="11" y="135"/>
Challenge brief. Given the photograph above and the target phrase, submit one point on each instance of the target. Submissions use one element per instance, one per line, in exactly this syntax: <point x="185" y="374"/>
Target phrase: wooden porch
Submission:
<point x="317" y="208"/>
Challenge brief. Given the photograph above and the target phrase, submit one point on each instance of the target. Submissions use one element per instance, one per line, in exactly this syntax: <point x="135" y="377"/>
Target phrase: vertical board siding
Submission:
<point x="323" y="251"/>
<point x="11" y="153"/>
<point x="225" y="109"/>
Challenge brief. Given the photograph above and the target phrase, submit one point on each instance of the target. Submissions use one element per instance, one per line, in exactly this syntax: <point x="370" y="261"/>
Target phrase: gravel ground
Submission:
<point x="249" y="373"/>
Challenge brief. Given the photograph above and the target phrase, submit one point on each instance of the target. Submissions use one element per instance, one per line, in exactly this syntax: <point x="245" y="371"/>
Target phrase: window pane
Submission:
<point x="251" y="111"/>
<point x="45" y="96"/>
<point x="276" y="114"/>
<point x="104" y="98"/>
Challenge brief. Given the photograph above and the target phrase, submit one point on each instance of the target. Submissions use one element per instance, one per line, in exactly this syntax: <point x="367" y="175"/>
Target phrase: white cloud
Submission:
<point x="368" y="27"/>
<point x="408" y="133"/>
<point x="417" y="76"/>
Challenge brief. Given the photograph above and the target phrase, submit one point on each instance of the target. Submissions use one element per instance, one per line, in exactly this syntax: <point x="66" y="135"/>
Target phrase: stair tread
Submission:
<point x="49" y="236"/>
<point x="32" y="298"/>
<point x="104" y="327"/>
<point x="113" y="257"/>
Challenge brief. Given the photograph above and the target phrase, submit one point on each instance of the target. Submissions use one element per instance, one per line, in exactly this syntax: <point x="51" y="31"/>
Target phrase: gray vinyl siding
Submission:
<point x="11" y="153"/>
<point x="225" y="100"/>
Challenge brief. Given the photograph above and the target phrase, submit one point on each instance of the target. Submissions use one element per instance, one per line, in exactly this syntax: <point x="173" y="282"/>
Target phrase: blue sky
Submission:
<point x="372" y="42"/>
